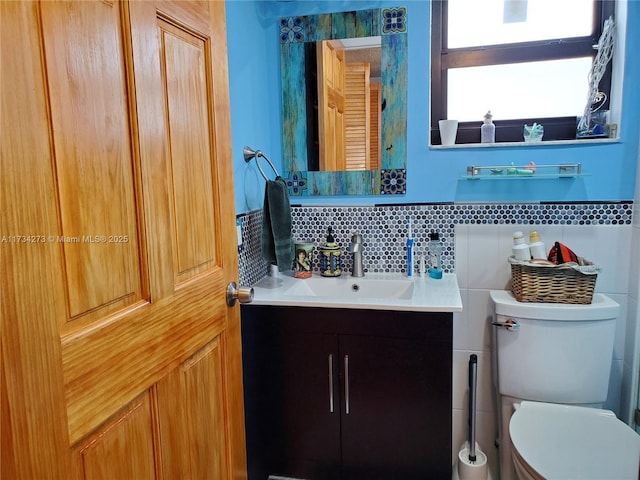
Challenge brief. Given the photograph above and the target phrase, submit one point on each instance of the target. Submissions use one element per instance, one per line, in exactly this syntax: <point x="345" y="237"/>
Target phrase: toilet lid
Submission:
<point x="567" y="442"/>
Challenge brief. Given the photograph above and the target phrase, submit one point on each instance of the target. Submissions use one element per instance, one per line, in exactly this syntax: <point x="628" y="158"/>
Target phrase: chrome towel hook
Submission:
<point x="250" y="153"/>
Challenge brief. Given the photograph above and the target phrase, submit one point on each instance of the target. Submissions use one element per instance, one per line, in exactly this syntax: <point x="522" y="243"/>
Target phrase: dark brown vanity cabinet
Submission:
<point x="347" y="394"/>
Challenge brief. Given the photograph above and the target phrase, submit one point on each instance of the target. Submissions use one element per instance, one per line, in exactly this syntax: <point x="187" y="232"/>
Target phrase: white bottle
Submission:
<point x="536" y="246"/>
<point x="422" y="266"/>
<point x="488" y="129"/>
<point x="520" y="249"/>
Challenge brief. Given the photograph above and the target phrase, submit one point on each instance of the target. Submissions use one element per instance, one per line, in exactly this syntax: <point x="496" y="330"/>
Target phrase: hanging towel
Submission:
<point x="277" y="243"/>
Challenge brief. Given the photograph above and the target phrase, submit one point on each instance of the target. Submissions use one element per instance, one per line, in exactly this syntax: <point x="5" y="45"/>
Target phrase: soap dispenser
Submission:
<point x="330" y="264"/>
<point x="435" y="255"/>
<point x="488" y="129"/>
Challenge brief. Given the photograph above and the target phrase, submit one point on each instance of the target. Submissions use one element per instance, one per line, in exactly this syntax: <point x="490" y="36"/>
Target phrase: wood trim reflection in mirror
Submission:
<point x="344" y="110"/>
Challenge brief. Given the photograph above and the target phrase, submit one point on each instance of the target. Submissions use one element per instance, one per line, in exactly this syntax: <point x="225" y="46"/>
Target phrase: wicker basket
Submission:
<point x="553" y="284"/>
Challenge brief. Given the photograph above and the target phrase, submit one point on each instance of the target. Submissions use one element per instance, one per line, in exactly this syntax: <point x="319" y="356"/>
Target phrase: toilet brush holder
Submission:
<point x="472" y="470"/>
<point x="472" y="462"/>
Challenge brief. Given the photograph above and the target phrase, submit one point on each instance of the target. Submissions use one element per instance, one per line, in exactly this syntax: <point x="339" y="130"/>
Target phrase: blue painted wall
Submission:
<point x="433" y="175"/>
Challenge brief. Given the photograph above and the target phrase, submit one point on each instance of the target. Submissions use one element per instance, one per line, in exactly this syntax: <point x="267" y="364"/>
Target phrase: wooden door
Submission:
<point x="331" y="104"/>
<point x="120" y="358"/>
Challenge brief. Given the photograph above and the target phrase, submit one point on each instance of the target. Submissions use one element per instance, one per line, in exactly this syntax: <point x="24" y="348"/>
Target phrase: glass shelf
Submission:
<point x="544" y="143"/>
<point x="513" y="172"/>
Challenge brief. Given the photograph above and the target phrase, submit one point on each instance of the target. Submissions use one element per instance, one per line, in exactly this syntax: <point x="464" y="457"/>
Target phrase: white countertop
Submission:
<point x="429" y="295"/>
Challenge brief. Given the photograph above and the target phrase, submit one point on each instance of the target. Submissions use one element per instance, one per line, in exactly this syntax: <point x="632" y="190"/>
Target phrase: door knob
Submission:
<point x="235" y="293"/>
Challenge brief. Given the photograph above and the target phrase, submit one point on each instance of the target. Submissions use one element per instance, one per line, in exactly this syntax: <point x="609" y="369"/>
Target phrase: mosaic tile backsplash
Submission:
<point x="384" y="228"/>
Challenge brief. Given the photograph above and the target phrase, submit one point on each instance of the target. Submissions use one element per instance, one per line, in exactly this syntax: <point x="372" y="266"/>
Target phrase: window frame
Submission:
<point x="443" y="58"/>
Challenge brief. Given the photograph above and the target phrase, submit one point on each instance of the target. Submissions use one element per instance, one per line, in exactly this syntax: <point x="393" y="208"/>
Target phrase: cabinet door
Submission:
<point x="397" y="386"/>
<point x="310" y="390"/>
<point x="398" y="394"/>
<point x="291" y="397"/>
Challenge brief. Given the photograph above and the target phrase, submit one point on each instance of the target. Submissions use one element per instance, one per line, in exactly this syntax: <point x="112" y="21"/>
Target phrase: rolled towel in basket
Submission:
<point x="560" y="253"/>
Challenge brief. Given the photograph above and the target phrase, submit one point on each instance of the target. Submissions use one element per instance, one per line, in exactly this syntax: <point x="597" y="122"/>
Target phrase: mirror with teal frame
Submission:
<point x="391" y="25"/>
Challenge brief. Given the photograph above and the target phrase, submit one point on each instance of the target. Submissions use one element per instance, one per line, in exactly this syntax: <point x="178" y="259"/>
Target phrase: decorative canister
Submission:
<point x="329" y="258"/>
<point x="303" y="261"/>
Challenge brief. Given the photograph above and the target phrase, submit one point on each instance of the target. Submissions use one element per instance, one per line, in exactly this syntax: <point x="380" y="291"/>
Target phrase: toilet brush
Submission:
<point x="472" y="462"/>
<point x="473" y="381"/>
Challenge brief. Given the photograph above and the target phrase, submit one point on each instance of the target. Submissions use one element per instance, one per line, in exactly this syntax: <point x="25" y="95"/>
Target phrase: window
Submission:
<point x="525" y="60"/>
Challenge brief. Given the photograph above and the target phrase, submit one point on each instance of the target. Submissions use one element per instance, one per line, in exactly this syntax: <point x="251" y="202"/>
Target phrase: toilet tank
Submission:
<point x="559" y="353"/>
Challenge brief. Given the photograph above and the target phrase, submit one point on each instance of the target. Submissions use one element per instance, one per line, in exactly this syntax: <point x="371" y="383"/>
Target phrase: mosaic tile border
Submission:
<point x="383" y="228"/>
<point x="291" y="29"/>
<point x="394" y="20"/>
<point x="393" y="181"/>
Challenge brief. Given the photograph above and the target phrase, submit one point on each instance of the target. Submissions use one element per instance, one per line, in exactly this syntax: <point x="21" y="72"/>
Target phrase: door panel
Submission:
<point x="121" y="120"/>
<point x="128" y="435"/>
<point x="184" y="68"/>
<point x="93" y="156"/>
<point x="194" y="387"/>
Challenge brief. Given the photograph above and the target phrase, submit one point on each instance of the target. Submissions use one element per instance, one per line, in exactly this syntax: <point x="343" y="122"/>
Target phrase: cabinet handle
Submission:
<point x="346" y="384"/>
<point x="331" y="383"/>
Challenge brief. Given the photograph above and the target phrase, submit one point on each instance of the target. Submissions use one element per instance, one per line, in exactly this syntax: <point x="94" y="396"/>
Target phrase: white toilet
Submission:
<point x="551" y="373"/>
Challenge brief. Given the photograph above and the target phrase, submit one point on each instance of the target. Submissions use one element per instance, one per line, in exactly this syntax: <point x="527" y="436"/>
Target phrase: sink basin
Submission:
<point x="374" y="291"/>
<point x="352" y="287"/>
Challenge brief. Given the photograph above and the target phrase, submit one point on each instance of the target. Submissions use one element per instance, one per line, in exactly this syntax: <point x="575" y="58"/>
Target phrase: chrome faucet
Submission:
<point x="355" y="247"/>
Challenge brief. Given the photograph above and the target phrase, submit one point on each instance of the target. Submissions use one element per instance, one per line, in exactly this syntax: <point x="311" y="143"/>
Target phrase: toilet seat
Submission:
<point x="567" y="442"/>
